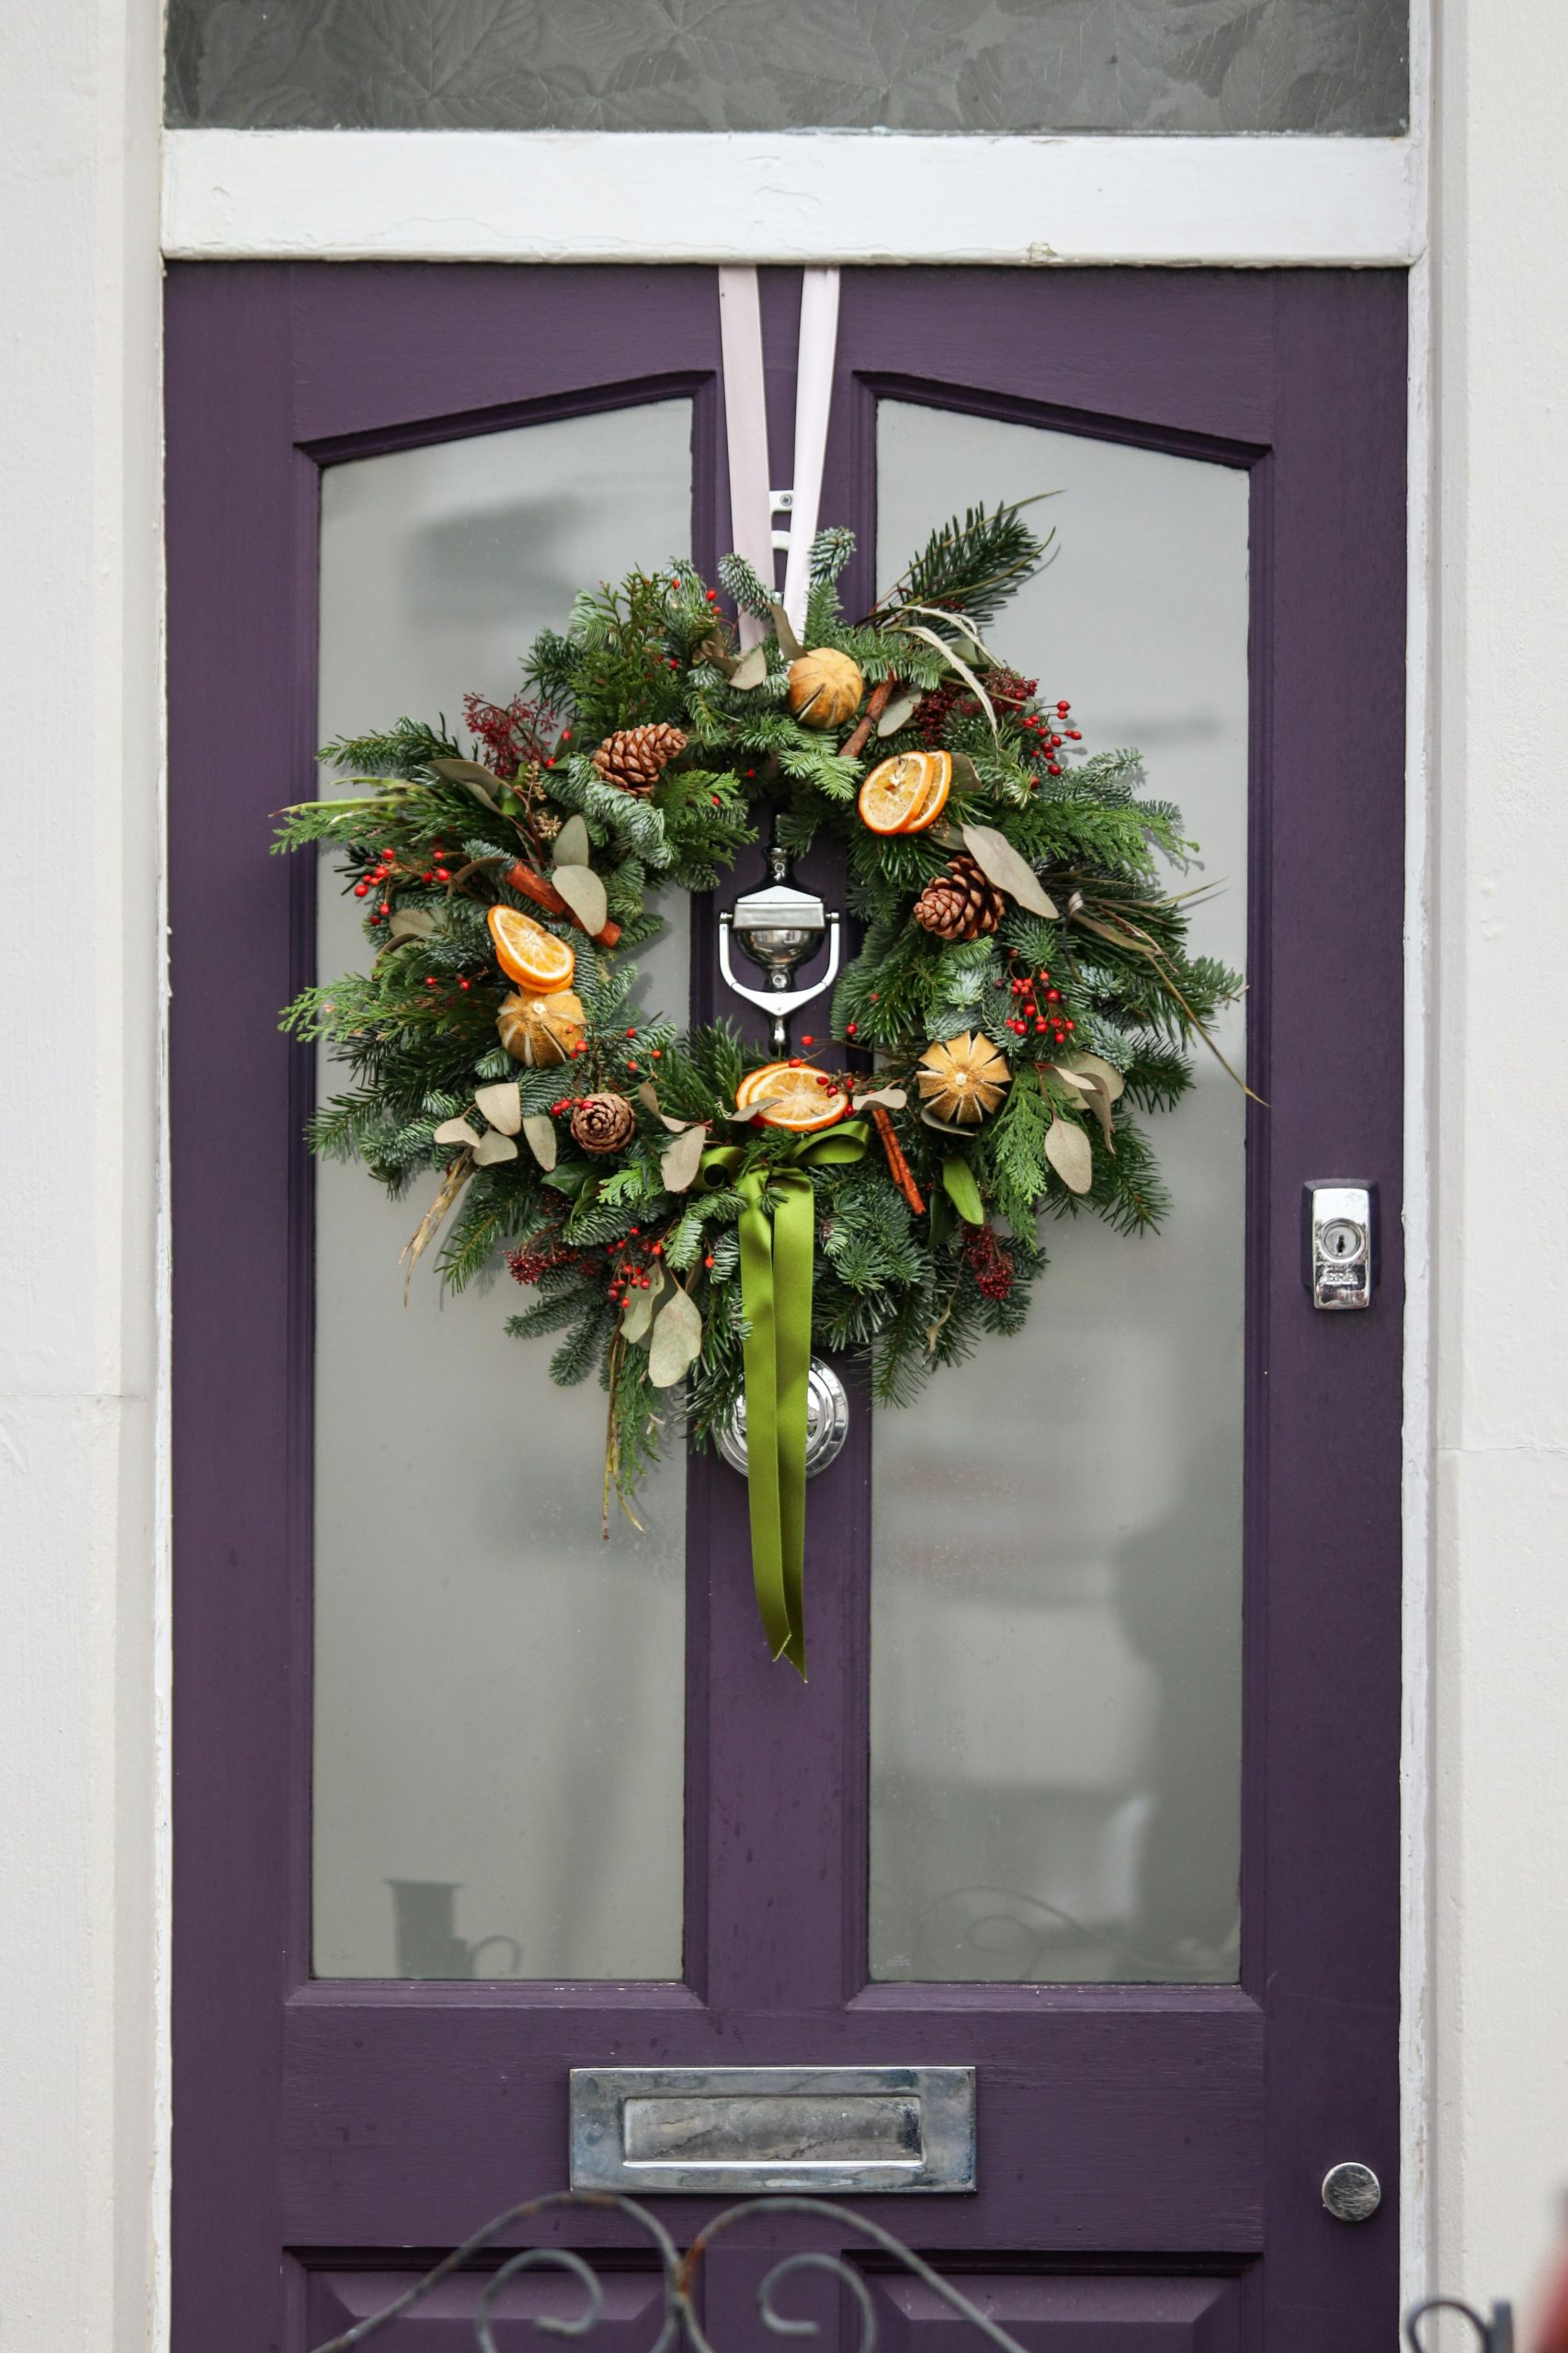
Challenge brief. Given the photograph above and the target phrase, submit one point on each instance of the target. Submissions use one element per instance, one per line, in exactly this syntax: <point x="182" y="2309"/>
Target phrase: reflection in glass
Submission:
<point x="498" y="1693"/>
<point x="1206" y="66"/>
<point x="1057" y="1558"/>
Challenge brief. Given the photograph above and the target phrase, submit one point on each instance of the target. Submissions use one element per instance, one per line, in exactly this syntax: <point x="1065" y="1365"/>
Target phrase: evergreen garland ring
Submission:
<point x="626" y="1222"/>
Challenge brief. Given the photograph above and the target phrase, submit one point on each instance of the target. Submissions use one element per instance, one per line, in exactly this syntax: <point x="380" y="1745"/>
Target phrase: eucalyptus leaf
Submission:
<point x="680" y="1160"/>
<point x="966" y="775"/>
<point x="502" y="1105"/>
<point x="784" y="630"/>
<point x="410" y="923"/>
<point x="539" y="1135"/>
<point x="900" y="710"/>
<point x="1095" y="1066"/>
<point x="1001" y="864"/>
<point x="960" y="1186"/>
<point x="892" y="1099"/>
<point x="1068" y="1150"/>
<point x="713" y="649"/>
<point x="1092" y="1094"/>
<point x="477" y="779"/>
<point x="493" y="1147"/>
<point x="945" y="1127"/>
<point x="676" y="1343"/>
<point x="572" y="846"/>
<point x="456" y="1131"/>
<point x="584" y="893"/>
<point x="636" y="1310"/>
<point x="750" y="671"/>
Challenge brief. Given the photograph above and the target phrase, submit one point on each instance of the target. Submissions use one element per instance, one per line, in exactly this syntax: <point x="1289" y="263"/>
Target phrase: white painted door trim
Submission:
<point x="848" y="197"/>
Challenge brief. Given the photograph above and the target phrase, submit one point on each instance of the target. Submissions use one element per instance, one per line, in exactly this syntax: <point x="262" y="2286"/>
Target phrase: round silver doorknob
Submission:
<point x="827" y="1423"/>
<point x="1352" y="2193"/>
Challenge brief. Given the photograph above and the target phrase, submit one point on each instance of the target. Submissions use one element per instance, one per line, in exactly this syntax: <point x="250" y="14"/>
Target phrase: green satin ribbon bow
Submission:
<point x="776" y="1295"/>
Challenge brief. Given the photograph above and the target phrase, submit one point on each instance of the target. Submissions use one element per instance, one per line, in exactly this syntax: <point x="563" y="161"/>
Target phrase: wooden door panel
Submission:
<point x="1067" y="2086"/>
<point x="338" y="2300"/>
<point x="1176" y="2125"/>
<point x="1065" y="2313"/>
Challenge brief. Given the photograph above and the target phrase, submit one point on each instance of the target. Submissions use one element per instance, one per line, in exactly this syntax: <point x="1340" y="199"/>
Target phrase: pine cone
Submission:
<point x="636" y="757"/>
<point x="604" y="1123"/>
<point x="960" y="903"/>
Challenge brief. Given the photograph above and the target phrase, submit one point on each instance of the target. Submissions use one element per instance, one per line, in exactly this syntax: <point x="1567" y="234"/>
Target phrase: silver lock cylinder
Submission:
<point x="1339" y="1239"/>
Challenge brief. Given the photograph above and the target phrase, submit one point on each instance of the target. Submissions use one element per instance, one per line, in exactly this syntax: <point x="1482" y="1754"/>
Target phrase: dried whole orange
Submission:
<point x="529" y="954"/>
<point x="792" y="1095"/>
<point x="541" y="1030"/>
<point x="907" y="793"/>
<point x="826" y="688"/>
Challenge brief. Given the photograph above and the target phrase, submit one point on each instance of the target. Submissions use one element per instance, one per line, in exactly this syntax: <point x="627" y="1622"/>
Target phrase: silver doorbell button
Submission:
<point x="1341" y="1244"/>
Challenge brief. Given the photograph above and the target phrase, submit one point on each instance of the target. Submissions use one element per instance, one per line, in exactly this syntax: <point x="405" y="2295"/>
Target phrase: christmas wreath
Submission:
<point x="695" y="1216"/>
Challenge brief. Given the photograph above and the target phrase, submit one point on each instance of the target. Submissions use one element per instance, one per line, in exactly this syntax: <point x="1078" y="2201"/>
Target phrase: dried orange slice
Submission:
<point x="529" y="954"/>
<point x="794" y="1096"/>
<point x="907" y="793"/>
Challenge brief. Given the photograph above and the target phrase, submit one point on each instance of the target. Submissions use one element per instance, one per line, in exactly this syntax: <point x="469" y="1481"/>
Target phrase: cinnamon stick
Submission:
<point x="854" y="744"/>
<point x="544" y="894"/>
<point x="897" y="1165"/>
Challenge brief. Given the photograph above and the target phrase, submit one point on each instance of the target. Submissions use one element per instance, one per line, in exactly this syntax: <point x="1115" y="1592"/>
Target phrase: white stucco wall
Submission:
<point x="82" y="1883"/>
<point x="81" y="2167"/>
<point x="1500" y="1068"/>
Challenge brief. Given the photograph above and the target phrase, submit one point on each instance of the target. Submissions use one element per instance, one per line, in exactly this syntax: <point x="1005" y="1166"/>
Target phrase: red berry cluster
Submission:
<point x="529" y="1266"/>
<point x="381" y="878"/>
<point x="1038" y="1008"/>
<point x="631" y="1266"/>
<point x="989" y="1263"/>
<point x="1049" y="735"/>
<point x="509" y="733"/>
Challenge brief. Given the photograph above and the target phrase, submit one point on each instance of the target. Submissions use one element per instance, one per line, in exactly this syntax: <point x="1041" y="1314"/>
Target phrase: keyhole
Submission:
<point x="1341" y="1240"/>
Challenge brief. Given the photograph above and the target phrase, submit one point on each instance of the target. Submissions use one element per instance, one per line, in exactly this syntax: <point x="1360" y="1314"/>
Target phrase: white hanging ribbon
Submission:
<point x="745" y="425"/>
<point x="751" y="499"/>
<point x="813" y="400"/>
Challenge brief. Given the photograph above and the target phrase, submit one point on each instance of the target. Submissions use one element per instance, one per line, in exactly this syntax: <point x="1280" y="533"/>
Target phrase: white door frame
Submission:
<point x="823" y="197"/>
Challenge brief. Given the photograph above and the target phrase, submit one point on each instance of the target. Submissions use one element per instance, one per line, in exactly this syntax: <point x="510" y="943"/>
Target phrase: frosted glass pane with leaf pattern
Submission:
<point x="1057" y="1545"/>
<point x="498" y="1693"/>
<point x="1192" y="66"/>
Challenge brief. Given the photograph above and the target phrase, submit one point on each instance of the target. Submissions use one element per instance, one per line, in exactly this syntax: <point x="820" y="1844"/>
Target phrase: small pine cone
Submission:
<point x="604" y="1123"/>
<point x="960" y="903"/>
<point x="636" y="757"/>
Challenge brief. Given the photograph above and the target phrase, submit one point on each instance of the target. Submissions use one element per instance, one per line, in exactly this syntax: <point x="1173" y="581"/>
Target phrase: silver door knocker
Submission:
<point x="777" y="928"/>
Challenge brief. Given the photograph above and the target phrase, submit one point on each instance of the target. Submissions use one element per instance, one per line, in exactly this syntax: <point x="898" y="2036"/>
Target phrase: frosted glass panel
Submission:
<point x="1056" y="1578"/>
<point x="498" y="1693"/>
<point x="954" y="65"/>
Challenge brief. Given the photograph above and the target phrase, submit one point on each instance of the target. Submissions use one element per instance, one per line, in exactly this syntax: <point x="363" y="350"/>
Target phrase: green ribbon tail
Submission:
<point x="793" y="1223"/>
<point x="776" y="1253"/>
<point x="763" y="1496"/>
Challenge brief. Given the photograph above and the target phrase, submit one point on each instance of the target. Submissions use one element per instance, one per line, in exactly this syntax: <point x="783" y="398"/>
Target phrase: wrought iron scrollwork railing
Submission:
<point x="1493" y="2331"/>
<point x="681" y="2272"/>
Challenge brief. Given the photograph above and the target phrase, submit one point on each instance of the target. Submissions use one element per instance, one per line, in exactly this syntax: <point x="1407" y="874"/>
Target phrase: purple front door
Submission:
<point x="876" y="1869"/>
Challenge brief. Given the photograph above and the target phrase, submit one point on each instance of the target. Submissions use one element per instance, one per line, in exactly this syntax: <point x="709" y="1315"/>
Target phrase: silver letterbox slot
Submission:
<point x="726" y="2131"/>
